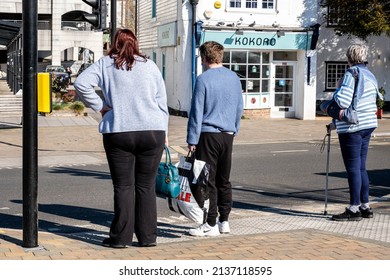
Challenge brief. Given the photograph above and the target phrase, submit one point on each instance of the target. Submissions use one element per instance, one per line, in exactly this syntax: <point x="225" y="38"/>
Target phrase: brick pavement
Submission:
<point x="308" y="244"/>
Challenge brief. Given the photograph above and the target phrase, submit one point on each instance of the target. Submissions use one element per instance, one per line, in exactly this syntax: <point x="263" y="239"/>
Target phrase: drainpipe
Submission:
<point x="313" y="45"/>
<point x="135" y="2"/>
<point x="193" y="45"/>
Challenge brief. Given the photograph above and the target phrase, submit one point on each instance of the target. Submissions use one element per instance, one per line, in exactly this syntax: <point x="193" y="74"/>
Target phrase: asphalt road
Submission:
<point x="265" y="178"/>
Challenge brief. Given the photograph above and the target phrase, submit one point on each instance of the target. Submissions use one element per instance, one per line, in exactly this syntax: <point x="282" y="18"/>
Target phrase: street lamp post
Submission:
<point x="194" y="3"/>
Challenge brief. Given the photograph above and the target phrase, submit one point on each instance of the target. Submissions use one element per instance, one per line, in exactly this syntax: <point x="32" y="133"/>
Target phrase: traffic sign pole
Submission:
<point x="30" y="121"/>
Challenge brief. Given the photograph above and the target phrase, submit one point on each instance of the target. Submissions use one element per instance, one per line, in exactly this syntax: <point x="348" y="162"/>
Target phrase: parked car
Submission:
<point x="60" y="78"/>
<point x="55" y="69"/>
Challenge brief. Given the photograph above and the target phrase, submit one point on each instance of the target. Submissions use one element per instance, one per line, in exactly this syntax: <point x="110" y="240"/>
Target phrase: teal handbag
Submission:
<point x="167" y="180"/>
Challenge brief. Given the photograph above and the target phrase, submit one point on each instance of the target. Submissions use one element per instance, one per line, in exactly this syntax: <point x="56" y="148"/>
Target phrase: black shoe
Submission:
<point x="153" y="244"/>
<point x="109" y="243"/>
<point x="348" y="215"/>
<point x="367" y="213"/>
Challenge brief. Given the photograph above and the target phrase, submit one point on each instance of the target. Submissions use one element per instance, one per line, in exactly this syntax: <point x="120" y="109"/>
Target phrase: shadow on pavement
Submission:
<point x="81" y="172"/>
<point x="9" y="125"/>
<point x="379" y="181"/>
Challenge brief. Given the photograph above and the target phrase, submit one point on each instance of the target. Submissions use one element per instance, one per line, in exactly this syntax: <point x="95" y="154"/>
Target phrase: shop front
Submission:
<point x="271" y="66"/>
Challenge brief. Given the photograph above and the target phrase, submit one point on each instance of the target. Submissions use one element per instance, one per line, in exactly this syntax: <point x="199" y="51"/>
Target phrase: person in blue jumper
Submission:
<point x="355" y="138"/>
<point x="214" y="120"/>
<point x="134" y="126"/>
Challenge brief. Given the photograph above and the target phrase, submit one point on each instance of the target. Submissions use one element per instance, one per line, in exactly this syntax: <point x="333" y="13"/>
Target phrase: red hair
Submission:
<point x="124" y="49"/>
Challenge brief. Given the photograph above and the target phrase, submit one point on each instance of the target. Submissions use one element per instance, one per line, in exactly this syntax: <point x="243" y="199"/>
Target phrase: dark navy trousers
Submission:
<point x="354" y="149"/>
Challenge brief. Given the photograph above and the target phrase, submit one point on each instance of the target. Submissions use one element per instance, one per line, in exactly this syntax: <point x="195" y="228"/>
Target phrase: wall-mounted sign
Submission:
<point x="217" y="4"/>
<point x="167" y="35"/>
<point x="258" y="40"/>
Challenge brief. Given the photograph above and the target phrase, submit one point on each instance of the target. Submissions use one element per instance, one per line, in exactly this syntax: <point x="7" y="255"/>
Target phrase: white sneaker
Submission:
<point x="205" y="230"/>
<point x="224" y="227"/>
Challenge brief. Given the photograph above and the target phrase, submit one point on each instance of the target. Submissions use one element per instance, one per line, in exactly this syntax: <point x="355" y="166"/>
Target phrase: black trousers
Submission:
<point x="133" y="159"/>
<point x="216" y="149"/>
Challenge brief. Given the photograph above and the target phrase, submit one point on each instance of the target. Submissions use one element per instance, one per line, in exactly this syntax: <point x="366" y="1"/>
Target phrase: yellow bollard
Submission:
<point x="44" y="93"/>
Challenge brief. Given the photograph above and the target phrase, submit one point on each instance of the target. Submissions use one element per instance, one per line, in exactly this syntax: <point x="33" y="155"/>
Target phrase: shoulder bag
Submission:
<point x="349" y="115"/>
<point x="167" y="179"/>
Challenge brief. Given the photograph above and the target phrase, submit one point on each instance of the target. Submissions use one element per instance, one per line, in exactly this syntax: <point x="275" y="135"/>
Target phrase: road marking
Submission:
<point x="288" y="151"/>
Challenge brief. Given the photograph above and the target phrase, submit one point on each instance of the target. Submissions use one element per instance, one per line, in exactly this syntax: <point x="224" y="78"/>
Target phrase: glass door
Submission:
<point x="284" y="86"/>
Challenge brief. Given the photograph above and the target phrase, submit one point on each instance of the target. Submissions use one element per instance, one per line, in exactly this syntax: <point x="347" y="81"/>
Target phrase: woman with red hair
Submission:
<point x="134" y="126"/>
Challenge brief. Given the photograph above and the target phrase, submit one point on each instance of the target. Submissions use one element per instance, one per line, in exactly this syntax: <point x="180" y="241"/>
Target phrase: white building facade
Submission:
<point x="332" y="61"/>
<point x="267" y="43"/>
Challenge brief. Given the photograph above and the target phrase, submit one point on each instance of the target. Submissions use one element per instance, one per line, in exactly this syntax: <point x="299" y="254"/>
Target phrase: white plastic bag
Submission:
<point x="192" y="201"/>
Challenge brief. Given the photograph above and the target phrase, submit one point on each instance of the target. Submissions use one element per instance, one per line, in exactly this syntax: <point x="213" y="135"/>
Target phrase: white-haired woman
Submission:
<point x="354" y="138"/>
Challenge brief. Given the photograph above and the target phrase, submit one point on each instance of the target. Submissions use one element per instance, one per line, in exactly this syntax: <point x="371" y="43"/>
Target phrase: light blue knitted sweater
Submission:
<point x="137" y="97"/>
<point x="216" y="105"/>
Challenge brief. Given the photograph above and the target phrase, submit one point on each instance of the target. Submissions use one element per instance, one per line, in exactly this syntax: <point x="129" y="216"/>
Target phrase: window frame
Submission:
<point x="154" y="8"/>
<point x="163" y="65"/>
<point x="339" y="73"/>
<point x="334" y="21"/>
<point x="259" y="6"/>
<point x="154" y="56"/>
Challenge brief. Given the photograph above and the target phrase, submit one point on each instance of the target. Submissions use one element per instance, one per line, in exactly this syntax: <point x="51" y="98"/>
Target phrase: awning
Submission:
<point x="8" y="31"/>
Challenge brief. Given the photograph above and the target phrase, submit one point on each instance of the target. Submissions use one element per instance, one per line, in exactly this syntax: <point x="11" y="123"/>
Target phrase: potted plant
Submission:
<point x="380" y="103"/>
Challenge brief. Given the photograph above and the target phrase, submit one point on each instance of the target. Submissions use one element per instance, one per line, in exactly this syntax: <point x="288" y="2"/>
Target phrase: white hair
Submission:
<point x="357" y="54"/>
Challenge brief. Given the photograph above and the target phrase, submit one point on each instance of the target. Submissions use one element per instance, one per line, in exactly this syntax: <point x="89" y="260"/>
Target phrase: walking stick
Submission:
<point x="328" y="130"/>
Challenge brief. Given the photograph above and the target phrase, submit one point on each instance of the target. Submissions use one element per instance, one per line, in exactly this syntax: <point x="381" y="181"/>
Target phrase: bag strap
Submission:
<point x="355" y="74"/>
<point x="167" y="155"/>
<point x="190" y="156"/>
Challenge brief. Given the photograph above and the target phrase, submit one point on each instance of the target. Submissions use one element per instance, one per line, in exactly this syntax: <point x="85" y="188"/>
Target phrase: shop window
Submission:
<point x="253" y="68"/>
<point x="334" y="72"/>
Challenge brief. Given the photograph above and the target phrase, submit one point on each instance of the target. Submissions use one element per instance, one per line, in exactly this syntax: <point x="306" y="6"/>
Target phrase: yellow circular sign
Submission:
<point x="217" y="4"/>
